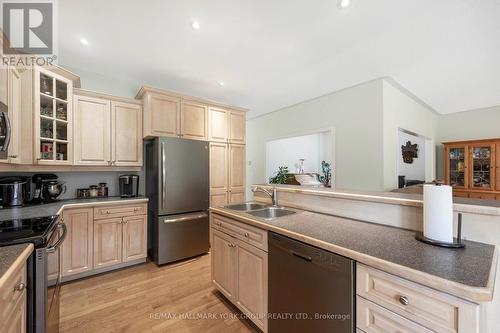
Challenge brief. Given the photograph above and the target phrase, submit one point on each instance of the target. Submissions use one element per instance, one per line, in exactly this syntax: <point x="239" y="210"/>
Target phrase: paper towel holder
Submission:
<point x="456" y="244"/>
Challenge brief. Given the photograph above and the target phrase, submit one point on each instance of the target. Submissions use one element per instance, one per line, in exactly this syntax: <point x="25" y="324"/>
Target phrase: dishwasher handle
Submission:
<point x="301" y="256"/>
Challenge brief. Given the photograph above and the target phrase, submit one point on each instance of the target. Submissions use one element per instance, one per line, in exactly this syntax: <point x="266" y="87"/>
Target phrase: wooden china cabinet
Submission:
<point x="473" y="168"/>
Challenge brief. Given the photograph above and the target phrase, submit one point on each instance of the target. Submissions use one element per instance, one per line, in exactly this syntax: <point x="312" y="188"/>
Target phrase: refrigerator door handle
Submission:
<point x="185" y="218"/>
<point x="163" y="176"/>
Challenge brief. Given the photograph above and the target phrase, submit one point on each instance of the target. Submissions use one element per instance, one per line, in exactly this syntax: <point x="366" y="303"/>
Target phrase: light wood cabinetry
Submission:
<point x="13" y="296"/>
<point x="218" y="124"/>
<point x="134" y="237"/>
<point x="92" y="131"/>
<point x="77" y="249"/>
<point x="103" y="238"/>
<point x="53" y="118"/>
<point x="386" y="303"/>
<point x="126" y="134"/>
<point x="108" y="132"/>
<point x="107" y="242"/>
<point x="227" y="173"/>
<point x="237" y="127"/>
<point x="472" y="167"/>
<point x="239" y="266"/>
<point x="161" y="115"/>
<point x="194" y="120"/>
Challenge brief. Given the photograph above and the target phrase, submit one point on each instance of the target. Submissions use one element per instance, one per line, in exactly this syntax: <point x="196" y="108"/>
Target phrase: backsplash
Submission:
<point x="75" y="180"/>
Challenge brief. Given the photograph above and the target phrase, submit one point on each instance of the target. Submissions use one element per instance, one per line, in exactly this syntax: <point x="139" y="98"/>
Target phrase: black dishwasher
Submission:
<point x="310" y="290"/>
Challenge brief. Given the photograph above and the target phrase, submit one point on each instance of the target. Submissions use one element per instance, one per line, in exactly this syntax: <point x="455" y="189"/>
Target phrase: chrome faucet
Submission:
<point x="273" y="195"/>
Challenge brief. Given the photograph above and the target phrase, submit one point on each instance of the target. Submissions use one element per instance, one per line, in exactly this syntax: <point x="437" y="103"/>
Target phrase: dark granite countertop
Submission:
<point x="467" y="273"/>
<point x="9" y="255"/>
<point x="54" y="208"/>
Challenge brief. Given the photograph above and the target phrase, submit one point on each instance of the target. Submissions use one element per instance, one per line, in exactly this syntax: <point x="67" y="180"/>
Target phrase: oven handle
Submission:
<point x="6" y="140"/>
<point x="54" y="247"/>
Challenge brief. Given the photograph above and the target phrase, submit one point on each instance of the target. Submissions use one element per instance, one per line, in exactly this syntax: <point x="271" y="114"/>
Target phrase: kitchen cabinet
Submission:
<point x="194" y="120"/>
<point x="223" y="263"/>
<point x="227" y="174"/>
<point x="239" y="266"/>
<point x="218" y="124"/>
<point x="472" y="167"/>
<point x="134" y="237"/>
<point x="15" y="99"/>
<point x="108" y="132"/>
<point x="13" y="296"/>
<point x="107" y="242"/>
<point x="161" y="115"/>
<point x="53" y="118"/>
<point x="92" y="131"/>
<point x="237" y="127"/>
<point x="77" y="250"/>
<point x="126" y="134"/>
<point x="219" y="181"/>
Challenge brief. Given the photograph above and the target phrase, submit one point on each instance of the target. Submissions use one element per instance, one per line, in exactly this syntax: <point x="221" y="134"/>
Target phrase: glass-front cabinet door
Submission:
<point x="456" y="166"/>
<point x="482" y="162"/>
<point x="53" y="118"/>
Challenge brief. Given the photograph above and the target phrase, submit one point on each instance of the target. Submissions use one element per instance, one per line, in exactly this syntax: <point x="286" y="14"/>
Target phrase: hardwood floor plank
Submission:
<point x="147" y="298"/>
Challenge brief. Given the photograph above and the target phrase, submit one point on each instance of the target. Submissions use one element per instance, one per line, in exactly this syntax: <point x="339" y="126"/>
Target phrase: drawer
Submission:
<point x="11" y="292"/>
<point x="106" y="212"/>
<point x="437" y="311"/>
<point x="371" y="318"/>
<point x="247" y="233"/>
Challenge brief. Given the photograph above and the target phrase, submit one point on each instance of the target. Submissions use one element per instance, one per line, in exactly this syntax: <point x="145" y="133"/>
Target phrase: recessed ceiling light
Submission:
<point x="220" y="83"/>
<point x="344" y="3"/>
<point x="84" y="41"/>
<point x="195" y="25"/>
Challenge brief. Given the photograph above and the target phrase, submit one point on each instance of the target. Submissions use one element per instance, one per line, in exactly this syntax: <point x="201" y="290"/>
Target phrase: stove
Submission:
<point x="34" y="230"/>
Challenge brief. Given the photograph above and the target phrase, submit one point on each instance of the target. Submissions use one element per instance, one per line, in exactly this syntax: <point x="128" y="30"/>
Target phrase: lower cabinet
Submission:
<point x="239" y="272"/>
<point x="77" y="248"/>
<point x="100" y="238"/>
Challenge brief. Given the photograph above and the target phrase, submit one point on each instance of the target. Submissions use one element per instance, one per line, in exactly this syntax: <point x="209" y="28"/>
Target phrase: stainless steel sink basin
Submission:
<point x="247" y="206"/>
<point x="270" y="213"/>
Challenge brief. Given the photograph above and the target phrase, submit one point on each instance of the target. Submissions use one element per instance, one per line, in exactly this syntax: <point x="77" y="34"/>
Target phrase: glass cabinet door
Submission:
<point x="482" y="166"/>
<point x="53" y="119"/>
<point x="457" y="166"/>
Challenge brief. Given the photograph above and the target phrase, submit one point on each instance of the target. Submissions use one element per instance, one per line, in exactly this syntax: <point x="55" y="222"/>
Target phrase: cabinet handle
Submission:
<point x="231" y="245"/>
<point x="20" y="287"/>
<point x="107" y="212"/>
<point x="12" y="156"/>
<point x="246" y="234"/>
<point x="404" y="300"/>
<point x="136" y="210"/>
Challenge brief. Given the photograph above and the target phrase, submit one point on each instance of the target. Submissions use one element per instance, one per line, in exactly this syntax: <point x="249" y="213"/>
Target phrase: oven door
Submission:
<point x="4" y="132"/>
<point x="53" y="278"/>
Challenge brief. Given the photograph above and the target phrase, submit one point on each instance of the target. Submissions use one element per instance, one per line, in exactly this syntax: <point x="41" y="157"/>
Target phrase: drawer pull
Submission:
<point x="136" y="210"/>
<point x="246" y="234"/>
<point x="231" y="245"/>
<point x="107" y="212"/>
<point x="20" y="287"/>
<point x="404" y="300"/>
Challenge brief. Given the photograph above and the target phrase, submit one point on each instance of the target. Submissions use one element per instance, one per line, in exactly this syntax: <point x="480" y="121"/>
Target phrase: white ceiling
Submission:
<point x="274" y="53"/>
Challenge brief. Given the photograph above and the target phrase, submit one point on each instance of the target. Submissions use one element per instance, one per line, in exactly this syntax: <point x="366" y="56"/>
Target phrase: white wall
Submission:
<point x="288" y="151"/>
<point x="356" y="116"/>
<point x="402" y="110"/>
<point x="415" y="170"/>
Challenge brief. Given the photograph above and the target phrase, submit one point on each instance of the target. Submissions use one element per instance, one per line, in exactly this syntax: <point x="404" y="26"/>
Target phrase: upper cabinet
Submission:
<point x="53" y="119"/>
<point x="108" y="130"/>
<point x="172" y="114"/>
<point x="194" y="120"/>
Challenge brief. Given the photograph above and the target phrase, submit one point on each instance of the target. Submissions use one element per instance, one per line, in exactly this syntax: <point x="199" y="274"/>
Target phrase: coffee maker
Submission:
<point x="47" y="187"/>
<point x="129" y="186"/>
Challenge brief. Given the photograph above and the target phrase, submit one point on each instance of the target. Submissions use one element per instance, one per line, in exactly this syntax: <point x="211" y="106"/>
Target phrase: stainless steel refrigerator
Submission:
<point x="177" y="185"/>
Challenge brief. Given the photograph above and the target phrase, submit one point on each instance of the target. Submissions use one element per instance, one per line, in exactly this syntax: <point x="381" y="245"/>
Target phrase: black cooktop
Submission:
<point x="34" y="230"/>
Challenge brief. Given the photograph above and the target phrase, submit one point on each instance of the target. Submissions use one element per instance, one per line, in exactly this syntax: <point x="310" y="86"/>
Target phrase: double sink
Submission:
<point x="262" y="211"/>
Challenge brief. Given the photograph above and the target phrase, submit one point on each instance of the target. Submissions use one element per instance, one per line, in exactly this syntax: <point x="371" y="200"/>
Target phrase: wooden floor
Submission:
<point x="147" y="298"/>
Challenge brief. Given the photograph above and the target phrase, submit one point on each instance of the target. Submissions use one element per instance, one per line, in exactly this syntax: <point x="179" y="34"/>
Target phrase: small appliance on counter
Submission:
<point x="14" y="191"/>
<point x="438" y="217"/>
<point x="47" y="187"/>
<point x="129" y="186"/>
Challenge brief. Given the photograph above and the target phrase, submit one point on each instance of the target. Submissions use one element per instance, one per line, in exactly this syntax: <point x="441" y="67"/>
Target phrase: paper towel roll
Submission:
<point x="438" y="213"/>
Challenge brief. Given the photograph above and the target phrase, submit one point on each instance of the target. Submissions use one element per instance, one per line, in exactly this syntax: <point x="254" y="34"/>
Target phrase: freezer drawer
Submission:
<point x="182" y="236"/>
